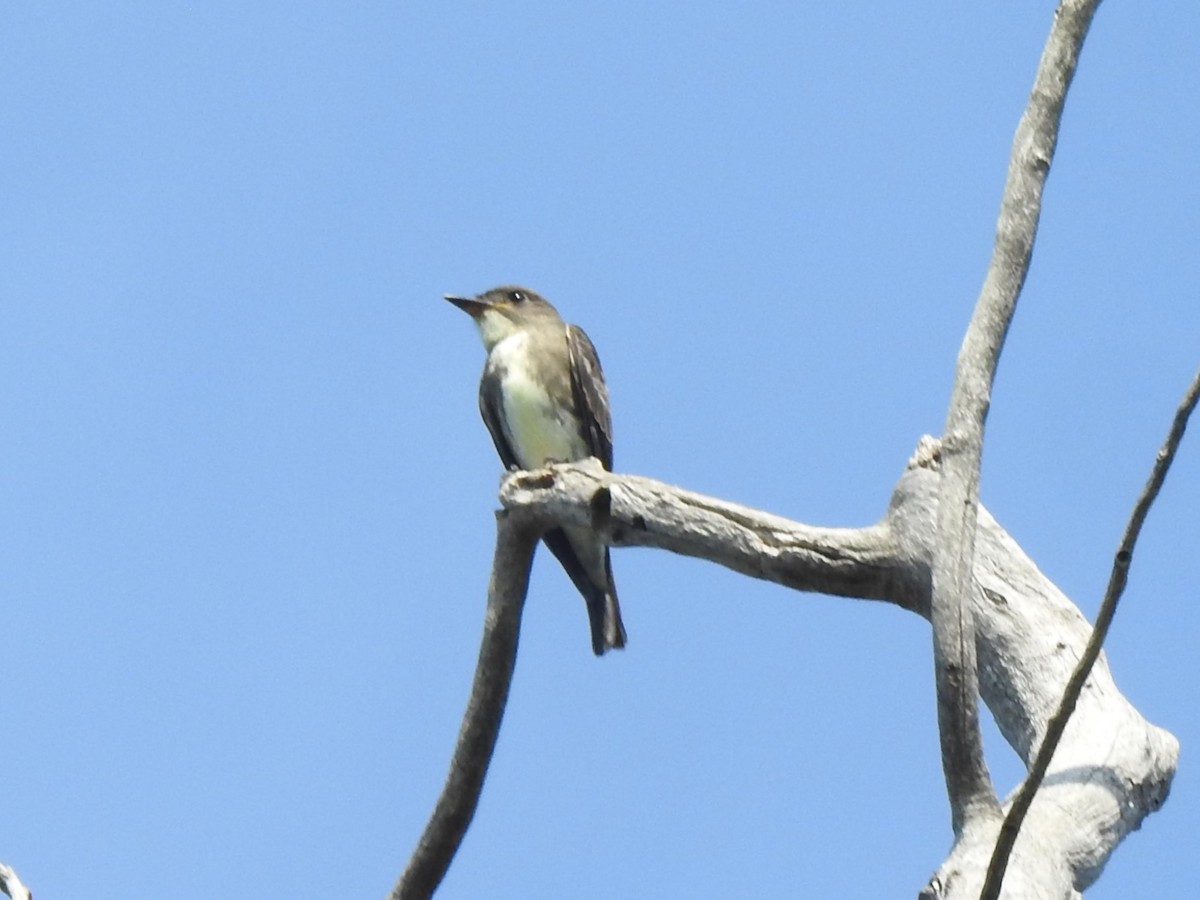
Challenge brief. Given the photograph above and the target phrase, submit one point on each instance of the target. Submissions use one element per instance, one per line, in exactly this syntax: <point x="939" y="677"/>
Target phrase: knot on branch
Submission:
<point x="928" y="454"/>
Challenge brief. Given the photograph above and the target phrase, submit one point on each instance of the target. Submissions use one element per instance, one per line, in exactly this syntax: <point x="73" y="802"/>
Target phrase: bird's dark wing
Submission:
<point x="490" y="398"/>
<point x="591" y="395"/>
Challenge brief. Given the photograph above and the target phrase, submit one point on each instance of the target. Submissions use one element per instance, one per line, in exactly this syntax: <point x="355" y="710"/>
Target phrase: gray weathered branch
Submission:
<point x="1112" y="768"/>
<point x="10" y="884"/>
<point x="1023" y="797"/>
<point x="972" y="797"/>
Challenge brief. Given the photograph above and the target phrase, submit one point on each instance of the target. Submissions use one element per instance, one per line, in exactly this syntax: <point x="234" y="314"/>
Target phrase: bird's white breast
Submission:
<point x="537" y="430"/>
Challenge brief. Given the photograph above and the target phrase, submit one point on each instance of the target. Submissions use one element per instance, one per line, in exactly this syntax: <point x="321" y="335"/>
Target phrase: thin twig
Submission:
<point x="1116" y="585"/>
<point x="516" y="539"/>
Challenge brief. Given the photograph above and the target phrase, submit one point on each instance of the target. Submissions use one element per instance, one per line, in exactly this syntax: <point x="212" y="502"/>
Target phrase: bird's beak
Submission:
<point x="472" y="306"/>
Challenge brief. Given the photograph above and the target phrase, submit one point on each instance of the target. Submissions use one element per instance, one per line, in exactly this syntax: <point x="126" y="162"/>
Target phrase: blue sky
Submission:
<point x="247" y="499"/>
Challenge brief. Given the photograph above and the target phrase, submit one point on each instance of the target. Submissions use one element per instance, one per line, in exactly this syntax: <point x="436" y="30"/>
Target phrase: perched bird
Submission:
<point x="543" y="399"/>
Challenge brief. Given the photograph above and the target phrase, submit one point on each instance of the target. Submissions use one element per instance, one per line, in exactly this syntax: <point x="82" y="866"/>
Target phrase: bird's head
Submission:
<point x="503" y="311"/>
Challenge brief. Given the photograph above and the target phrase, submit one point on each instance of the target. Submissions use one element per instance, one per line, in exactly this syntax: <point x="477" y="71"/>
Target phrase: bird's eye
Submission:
<point x="517" y="296"/>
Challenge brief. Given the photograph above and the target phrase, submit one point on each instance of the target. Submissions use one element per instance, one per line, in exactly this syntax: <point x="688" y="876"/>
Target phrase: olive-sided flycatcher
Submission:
<point x="543" y="399"/>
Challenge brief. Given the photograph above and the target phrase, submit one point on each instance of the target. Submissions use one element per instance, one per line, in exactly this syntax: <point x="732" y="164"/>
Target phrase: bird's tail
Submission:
<point x="586" y="561"/>
<point x="604" y="615"/>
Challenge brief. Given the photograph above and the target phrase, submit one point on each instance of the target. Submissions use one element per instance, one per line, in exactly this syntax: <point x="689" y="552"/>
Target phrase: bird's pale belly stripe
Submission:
<point x="537" y="433"/>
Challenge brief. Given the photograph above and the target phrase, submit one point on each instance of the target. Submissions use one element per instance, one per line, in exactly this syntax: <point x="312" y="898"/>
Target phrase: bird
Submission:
<point x="543" y="399"/>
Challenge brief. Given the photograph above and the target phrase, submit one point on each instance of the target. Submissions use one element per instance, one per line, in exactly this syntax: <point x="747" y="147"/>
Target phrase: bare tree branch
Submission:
<point x="849" y="562"/>
<point x="1116" y="586"/>
<point x="969" y="787"/>
<point x="516" y="539"/>
<point x="1113" y="768"/>
<point x="852" y="562"/>
<point x="11" y="884"/>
